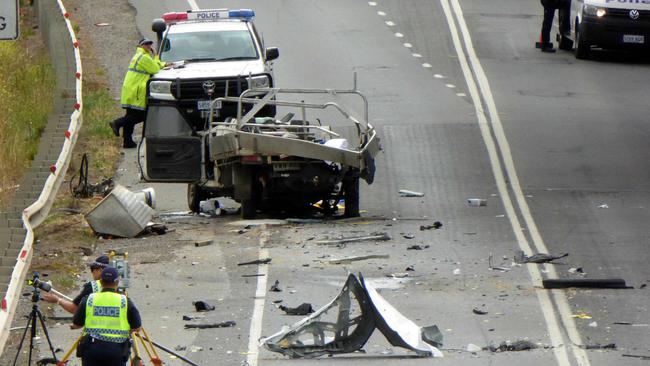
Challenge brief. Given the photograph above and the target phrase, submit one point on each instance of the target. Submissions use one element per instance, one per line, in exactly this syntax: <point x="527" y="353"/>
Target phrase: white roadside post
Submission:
<point x="9" y="19"/>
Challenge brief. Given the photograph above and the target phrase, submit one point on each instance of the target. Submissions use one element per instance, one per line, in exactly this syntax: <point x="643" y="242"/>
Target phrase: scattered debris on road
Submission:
<point x="473" y="348"/>
<point x="640" y="357"/>
<point x="603" y="206"/>
<point x="276" y="287"/>
<point x="599" y="346"/>
<point x="578" y="271"/>
<point x="417" y="247"/>
<point x="495" y="268"/>
<point x="358" y="310"/>
<point x="581" y="315"/>
<point x="521" y="257"/>
<point x="478" y="311"/>
<point x="586" y="283"/>
<point x="408" y="236"/>
<point x="436" y="225"/>
<point x="203" y="306"/>
<point x="258" y="261"/>
<point x="302" y="309"/>
<point x="254" y="275"/>
<point x="372" y="236"/>
<point x="407" y="193"/>
<point x="226" y="324"/>
<point x="476" y="202"/>
<point x="358" y="258"/>
<point x="203" y="243"/>
<point x="304" y="221"/>
<point x="521" y="345"/>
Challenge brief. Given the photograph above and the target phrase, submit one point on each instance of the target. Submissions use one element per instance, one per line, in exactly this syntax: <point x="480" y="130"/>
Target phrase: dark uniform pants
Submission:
<point x="564" y="7"/>
<point x="100" y="353"/>
<point x="128" y="122"/>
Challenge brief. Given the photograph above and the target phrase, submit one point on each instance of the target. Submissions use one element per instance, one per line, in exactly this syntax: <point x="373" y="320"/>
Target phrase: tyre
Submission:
<point x="351" y="195"/>
<point x="194" y="197"/>
<point x="583" y="48"/>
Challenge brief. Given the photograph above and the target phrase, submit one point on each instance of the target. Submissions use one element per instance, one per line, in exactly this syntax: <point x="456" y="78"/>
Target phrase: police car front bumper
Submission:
<point x="615" y="33"/>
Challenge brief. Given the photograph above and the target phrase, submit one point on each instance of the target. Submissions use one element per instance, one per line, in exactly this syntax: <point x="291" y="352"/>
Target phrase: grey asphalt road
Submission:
<point x="577" y="132"/>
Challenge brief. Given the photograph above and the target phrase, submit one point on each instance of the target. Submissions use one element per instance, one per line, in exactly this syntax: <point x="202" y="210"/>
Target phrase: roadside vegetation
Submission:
<point x="26" y="84"/>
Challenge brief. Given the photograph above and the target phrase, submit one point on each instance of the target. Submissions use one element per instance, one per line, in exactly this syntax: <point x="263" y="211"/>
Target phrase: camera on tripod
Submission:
<point x="37" y="284"/>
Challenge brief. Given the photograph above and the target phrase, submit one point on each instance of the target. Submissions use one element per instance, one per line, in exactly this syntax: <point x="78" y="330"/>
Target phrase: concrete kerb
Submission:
<point x="58" y="44"/>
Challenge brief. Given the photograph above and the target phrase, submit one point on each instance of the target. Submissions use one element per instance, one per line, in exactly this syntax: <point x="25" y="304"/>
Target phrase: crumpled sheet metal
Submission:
<point x="350" y="325"/>
<point x="354" y="313"/>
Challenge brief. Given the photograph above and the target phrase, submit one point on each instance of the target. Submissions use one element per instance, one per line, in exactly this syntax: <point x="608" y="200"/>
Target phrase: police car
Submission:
<point x="213" y="53"/>
<point x="610" y="24"/>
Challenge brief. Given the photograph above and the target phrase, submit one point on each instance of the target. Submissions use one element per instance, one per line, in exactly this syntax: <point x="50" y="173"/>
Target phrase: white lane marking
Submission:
<point x="381" y="13"/>
<point x="399" y="35"/>
<point x="559" y="296"/>
<point x="408" y="45"/>
<point x="416" y="55"/>
<point x="546" y="305"/>
<point x="450" y="86"/>
<point x="461" y="94"/>
<point x="372" y="3"/>
<point x="389" y="23"/>
<point x="260" y="298"/>
<point x="438" y="76"/>
<point x="193" y="5"/>
<point x="426" y="65"/>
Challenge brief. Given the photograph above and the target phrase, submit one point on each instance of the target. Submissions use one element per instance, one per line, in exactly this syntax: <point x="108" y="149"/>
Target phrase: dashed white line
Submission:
<point x="399" y="35"/>
<point x="260" y="298"/>
<point x="438" y="76"/>
<point x="389" y="23"/>
<point x="381" y="13"/>
<point x="416" y="55"/>
<point x="408" y="45"/>
<point x="426" y="65"/>
<point x="450" y="86"/>
<point x="372" y="3"/>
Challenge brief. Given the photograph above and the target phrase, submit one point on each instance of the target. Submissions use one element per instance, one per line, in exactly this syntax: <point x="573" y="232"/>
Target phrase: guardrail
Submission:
<point x="34" y="215"/>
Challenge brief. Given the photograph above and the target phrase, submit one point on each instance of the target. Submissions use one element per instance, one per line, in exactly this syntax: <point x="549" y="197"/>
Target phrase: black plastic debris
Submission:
<point x="478" y="311"/>
<point x="203" y="306"/>
<point x="410" y="269"/>
<point x="586" y="283"/>
<point x="640" y="357"/>
<point x="417" y="247"/>
<point x="258" y="261"/>
<point x="521" y="257"/>
<point x="600" y="346"/>
<point x="187" y="318"/>
<point x="521" y="345"/>
<point x="302" y="309"/>
<point x="277" y="301"/>
<point x="226" y="324"/>
<point x="436" y="225"/>
<point x="432" y="335"/>
<point x="408" y="236"/>
<point x="372" y="236"/>
<point x="276" y="287"/>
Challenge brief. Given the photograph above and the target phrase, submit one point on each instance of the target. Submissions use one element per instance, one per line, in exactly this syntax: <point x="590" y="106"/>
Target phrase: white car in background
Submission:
<point x="609" y="24"/>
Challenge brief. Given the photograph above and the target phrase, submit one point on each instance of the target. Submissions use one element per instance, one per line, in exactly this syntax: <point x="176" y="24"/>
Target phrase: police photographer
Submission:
<point x="108" y="318"/>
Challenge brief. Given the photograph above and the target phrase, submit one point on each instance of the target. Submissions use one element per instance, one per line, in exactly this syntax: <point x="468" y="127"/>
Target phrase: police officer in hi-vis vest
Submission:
<point x="108" y="319"/>
<point x="90" y="287"/>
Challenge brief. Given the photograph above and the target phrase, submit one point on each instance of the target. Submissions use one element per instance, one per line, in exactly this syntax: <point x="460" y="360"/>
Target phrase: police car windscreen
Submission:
<point x="209" y="46"/>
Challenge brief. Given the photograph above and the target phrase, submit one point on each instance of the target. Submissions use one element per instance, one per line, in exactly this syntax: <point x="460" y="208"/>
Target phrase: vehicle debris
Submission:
<point x="494" y="268"/>
<point x="436" y="225"/>
<point x="372" y="236"/>
<point x="408" y="236"/>
<point x="358" y="258"/>
<point x="473" y="348"/>
<point x="478" y="311"/>
<point x="632" y="324"/>
<point x="521" y="345"/>
<point x="476" y="202"/>
<point x="203" y="306"/>
<point x="304" y="221"/>
<point x="603" y="206"/>
<point x="226" y="324"/>
<point x="254" y="275"/>
<point x="275" y="287"/>
<point x="578" y="270"/>
<point x="258" y="261"/>
<point x="407" y="193"/>
<point x="599" y="346"/>
<point x="581" y="315"/>
<point x="398" y="275"/>
<point x="641" y="357"/>
<point x="358" y="310"/>
<point x="203" y="243"/>
<point x="210" y="207"/>
<point x="586" y="283"/>
<point x="521" y="257"/>
<point x="410" y="269"/>
<point x="417" y="247"/>
<point x="302" y="309"/>
<point x="121" y="213"/>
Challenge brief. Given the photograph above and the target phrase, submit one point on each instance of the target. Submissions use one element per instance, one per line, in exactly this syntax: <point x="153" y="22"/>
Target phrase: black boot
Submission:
<point x="129" y="144"/>
<point x="115" y="128"/>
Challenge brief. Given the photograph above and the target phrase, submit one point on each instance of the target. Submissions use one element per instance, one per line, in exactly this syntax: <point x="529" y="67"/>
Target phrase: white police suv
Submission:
<point x="214" y="53"/>
<point x="610" y="24"/>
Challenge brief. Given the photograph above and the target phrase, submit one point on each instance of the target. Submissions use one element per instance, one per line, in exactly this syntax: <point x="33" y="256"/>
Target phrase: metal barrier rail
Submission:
<point x="36" y="213"/>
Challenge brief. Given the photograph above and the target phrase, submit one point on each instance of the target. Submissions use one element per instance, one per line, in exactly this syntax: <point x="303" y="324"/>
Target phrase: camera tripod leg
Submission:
<point x="47" y="335"/>
<point x="30" y="322"/>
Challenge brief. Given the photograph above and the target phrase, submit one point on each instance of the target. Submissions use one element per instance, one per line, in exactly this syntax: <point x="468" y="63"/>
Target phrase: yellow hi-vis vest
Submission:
<point x="96" y="285"/>
<point x="106" y="317"/>
<point x="134" y="88"/>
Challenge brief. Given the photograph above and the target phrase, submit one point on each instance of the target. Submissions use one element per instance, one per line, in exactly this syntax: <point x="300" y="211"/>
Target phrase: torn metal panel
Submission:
<point x="121" y="213"/>
<point x="399" y="330"/>
<point x="342" y="326"/>
<point x="346" y="323"/>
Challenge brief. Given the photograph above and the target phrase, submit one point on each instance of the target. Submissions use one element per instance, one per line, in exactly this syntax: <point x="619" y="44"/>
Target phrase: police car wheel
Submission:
<point x="194" y="197"/>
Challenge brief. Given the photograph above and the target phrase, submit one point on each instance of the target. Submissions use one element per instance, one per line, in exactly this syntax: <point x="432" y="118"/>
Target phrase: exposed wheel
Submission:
<point x="250" y="205"/>
<point x="351" y="195"/>
<point x="194" y="197"/>
<point x="583" y="48"/>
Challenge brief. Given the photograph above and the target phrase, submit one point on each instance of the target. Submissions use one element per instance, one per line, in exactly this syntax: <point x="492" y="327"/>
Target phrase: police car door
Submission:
<point x="171" y="151"/>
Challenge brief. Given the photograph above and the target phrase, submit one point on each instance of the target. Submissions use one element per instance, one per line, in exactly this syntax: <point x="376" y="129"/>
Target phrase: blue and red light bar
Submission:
<point x="209" y="14"/>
